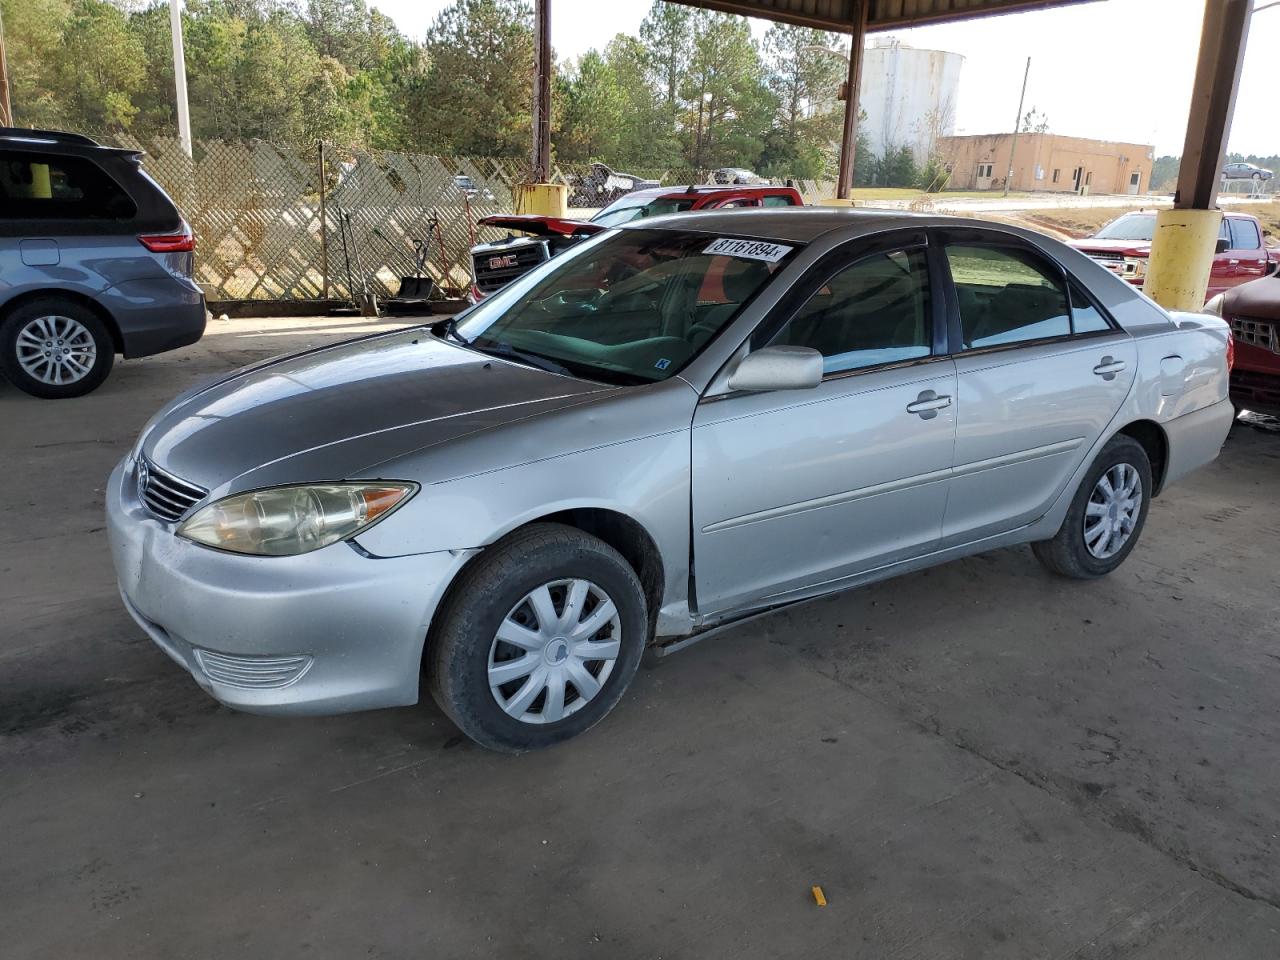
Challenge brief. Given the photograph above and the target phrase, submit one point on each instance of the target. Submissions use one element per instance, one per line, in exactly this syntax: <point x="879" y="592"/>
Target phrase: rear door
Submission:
<point x="1246" y="254"/>
<point x="799" y="488"/>
<point x="1041" y="371"/>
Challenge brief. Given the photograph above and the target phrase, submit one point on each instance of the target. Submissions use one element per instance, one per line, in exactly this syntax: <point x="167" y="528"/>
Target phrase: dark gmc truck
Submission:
<point x="494" y="265"/>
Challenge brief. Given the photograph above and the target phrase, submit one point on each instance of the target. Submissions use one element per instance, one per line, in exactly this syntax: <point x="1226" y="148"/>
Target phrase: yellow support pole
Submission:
<point x="544" y="199"/>
<point x="40" y="186"/>
<point x="1182" y="257"/>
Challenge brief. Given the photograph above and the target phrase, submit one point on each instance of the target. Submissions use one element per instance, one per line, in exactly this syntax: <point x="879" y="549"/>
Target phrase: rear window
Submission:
<point x="48" y="187"/>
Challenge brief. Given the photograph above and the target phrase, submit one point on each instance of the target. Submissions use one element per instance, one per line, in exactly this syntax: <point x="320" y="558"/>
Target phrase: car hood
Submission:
<point x="1258" y="298"/>
<point x="331" y="413"/>
<point x="1138" y="248"/>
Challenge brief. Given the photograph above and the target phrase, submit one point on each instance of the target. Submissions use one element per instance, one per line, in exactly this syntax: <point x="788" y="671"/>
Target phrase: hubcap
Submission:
<point x="554" y="651"/>
<point x="1112" y="512"/>
<point x="56" y="350"/>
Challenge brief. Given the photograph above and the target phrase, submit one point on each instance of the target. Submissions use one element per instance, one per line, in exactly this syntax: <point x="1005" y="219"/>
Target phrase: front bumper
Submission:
<point x="326" y="632"/>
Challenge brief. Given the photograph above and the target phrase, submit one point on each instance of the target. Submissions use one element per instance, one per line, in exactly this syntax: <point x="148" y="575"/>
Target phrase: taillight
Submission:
<point x="184" y="242"/>
<point x="1231" y="351"/>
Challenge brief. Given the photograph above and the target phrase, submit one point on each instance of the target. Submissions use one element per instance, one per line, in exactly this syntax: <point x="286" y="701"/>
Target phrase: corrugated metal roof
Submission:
<point x="882" y="14"/>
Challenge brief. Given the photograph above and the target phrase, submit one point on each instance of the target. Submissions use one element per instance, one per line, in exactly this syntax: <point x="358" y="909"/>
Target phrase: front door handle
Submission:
<point x="1108" y="368"/>
<point x="927" y="405"/>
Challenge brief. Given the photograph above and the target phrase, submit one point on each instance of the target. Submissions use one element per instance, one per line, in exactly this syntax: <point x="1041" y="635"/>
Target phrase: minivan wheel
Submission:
<point x="1106" y="515"/>
<point x="54" y="348"/>
<point x="538" y="639"/>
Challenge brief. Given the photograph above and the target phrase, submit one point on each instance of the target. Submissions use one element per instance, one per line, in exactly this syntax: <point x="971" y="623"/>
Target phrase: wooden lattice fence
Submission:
<point x="255" y="209"/>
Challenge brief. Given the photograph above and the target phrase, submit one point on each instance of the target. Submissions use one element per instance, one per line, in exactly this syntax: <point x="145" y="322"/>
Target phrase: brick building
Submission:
<point x="1049" y="162"/>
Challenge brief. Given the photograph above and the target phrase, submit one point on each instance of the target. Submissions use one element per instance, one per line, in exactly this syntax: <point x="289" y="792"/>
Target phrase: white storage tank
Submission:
<point x="909" y="96"/>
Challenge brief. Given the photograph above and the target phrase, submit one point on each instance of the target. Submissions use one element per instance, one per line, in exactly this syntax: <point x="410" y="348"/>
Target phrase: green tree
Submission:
<point x="728" y="107"/>
<point x="476" y="94"/>
<point x="33" y="33"/>
<point x="647" y="132"/>
<point x="591" y="113"/>
<point x="805" y="76"/>
<point x="667" y="33"/>
<point x="100" y="66"/>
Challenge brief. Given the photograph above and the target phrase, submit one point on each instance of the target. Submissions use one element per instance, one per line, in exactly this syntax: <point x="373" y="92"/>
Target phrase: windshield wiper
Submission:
<point x="523" y="356"/>
<point x="449" y="328"/>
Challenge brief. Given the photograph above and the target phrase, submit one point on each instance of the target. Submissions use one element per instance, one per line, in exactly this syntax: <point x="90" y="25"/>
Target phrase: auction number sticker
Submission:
<point x="749" y="249"/>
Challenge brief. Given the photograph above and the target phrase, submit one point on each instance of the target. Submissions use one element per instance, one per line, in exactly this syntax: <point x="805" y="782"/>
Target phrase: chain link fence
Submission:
<point x="256" y="209"/>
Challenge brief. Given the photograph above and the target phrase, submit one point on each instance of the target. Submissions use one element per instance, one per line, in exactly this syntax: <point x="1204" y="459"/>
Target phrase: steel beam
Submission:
<point x="542" y="67"/>
<point x="852" y="86"/>
<point x="1213" y="100"/>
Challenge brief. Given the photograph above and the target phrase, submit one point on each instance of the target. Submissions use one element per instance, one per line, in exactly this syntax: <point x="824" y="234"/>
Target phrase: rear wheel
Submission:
<point x="539" y="639"/>
<point x="54" y="348"/>
<point x="1106" y="515"/>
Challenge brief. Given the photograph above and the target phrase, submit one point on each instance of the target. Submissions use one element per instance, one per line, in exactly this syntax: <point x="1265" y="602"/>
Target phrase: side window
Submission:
<point x="1085" y="317"/>
<point x="872" y="312"/>
<point x="777" y="201"/>
<point x="1006" y="296"/>
<point x="47" y="187"/>
<point x="740" y="202"/>
<point x="1224" y="231"/>
<point x="1244" y="234"/>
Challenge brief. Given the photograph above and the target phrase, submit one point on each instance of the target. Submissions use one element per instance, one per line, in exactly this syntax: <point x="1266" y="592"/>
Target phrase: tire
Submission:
<point x="1069" y="552"/>
<point x="498" y="592"/>
<point x="50" y="340"/>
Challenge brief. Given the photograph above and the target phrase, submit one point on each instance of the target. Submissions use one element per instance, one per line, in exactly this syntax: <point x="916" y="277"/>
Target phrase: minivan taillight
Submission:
<point x="184" y="242"/>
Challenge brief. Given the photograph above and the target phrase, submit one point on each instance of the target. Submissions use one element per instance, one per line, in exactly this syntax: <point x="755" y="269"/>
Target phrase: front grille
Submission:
<point x="251" y="673"/>
<point x="1106" y="259"/>
<point x="1256" y="333"/>
<point x="496" y="266"/>
<point x="168" y="497"/>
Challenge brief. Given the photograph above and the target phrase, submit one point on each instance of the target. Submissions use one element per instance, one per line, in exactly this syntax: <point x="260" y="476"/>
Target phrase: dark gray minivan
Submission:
<point x="95" y="260"/>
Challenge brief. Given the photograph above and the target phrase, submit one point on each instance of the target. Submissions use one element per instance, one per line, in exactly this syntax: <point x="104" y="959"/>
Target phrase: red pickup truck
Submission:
<point x="1123" y="246"/>
<point x="1253" y="310"/>
<point x="494" y="265"/>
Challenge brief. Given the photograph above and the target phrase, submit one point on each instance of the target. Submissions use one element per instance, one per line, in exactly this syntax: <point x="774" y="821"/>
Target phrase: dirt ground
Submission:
<point x="976" y="761"/>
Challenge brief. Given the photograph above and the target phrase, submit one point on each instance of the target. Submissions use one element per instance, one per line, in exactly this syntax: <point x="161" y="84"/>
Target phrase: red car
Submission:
<point x="1124" y="245"/>
<point x="1253" y="310"/>
<point x="494" y="265"/>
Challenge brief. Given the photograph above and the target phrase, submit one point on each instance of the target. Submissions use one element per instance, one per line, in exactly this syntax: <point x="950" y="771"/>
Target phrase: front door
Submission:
<point x="1041" y="373"/>
<point x="793" y="490"/>
<point x="1135" y="182"/>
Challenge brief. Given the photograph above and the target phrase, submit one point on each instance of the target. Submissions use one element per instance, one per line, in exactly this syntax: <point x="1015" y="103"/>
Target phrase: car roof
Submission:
<point x="57" y="141"/>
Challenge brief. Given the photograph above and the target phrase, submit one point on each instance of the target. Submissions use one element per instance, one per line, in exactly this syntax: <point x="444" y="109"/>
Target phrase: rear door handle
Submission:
<point x="1108" y="368"/>
<point x="927" y="405"/>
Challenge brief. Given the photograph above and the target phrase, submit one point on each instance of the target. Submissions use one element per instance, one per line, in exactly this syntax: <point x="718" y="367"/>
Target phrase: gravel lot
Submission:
<point x="976" y="761"/>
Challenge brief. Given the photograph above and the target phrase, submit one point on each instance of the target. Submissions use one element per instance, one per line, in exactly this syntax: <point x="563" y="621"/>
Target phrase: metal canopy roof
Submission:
<point x="881" y="14"/>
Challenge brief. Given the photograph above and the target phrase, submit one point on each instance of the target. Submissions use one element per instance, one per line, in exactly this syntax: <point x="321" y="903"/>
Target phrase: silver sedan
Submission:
<point x="664" y="430"/>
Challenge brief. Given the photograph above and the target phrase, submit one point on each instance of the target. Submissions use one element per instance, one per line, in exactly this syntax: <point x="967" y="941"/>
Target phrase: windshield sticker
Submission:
<point x="663" y="363"/>
<point x="749" y="249"/>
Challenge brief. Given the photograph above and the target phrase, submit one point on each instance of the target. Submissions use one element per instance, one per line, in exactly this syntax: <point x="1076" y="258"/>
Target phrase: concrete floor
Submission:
<point x="977" y="761"/>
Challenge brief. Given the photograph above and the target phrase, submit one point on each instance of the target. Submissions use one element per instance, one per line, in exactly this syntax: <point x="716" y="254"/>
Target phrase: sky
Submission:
<point x="1110" y="70"/>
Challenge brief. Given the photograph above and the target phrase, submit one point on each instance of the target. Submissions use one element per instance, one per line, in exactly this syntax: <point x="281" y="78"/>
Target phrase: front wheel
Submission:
<point x="539" y="639"/>
<point x="1106" y="515"/>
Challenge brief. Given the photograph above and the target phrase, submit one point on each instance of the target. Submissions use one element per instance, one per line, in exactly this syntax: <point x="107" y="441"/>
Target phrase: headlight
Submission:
<point x="283" y="521"/>
<point x="1214" y="305"/>
<point x="1135" y="267"/>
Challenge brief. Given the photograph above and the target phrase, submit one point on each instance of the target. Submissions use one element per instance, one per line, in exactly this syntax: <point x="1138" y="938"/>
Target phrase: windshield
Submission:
<point x="620" y="211"/>
<point x="626" y="307"/>
<point x="1132" y="226"/>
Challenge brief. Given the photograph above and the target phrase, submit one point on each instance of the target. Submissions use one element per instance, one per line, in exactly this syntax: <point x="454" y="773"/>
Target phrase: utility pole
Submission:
<point x="852" y="84"/>
<point x="1017" y="122"/>
<point x="180" y="76"/>
<point x="6" y="107"/>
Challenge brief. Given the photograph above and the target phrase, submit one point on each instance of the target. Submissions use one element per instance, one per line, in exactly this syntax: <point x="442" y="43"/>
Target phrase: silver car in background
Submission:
<point x="670" y="427"/>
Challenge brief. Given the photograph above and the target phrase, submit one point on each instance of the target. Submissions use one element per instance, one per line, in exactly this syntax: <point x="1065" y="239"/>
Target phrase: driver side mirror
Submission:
<point x="778" y="368"/>
<point x="1222" y="246"/>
